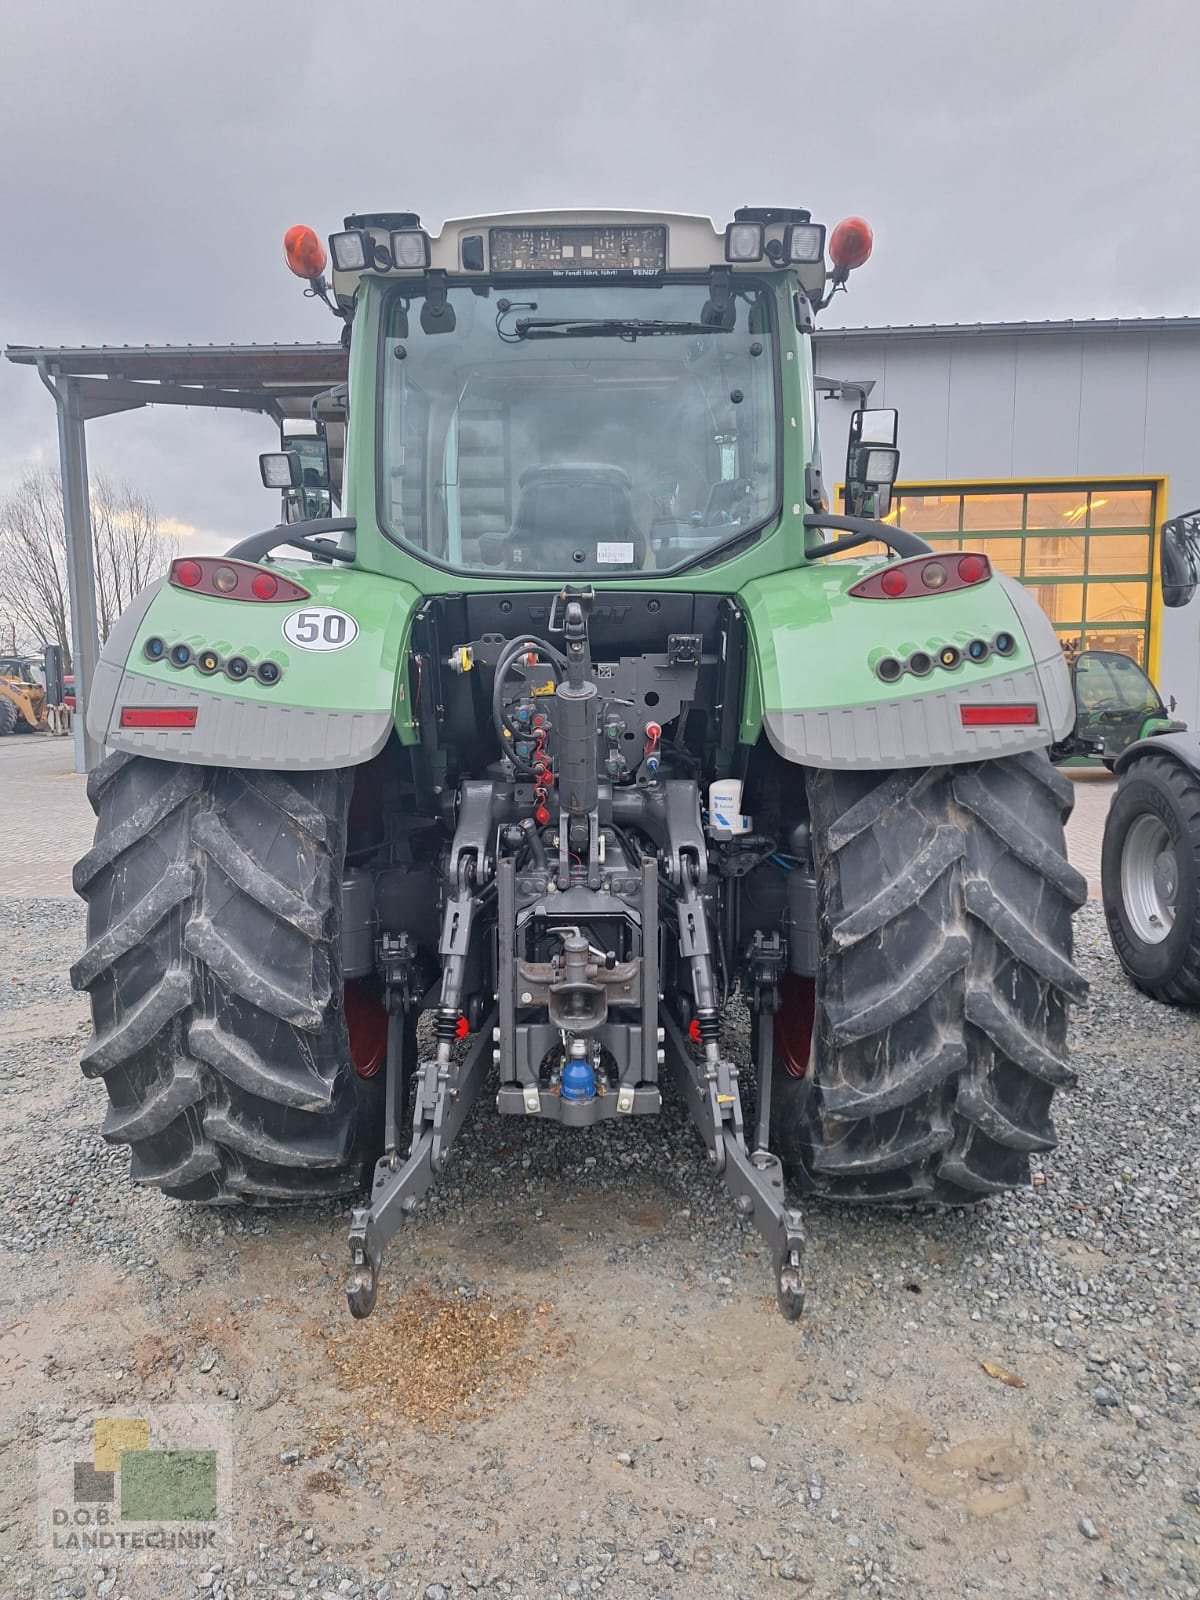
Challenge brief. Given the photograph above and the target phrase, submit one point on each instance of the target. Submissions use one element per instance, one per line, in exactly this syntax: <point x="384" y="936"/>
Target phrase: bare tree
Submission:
<point x="129" y="552"/>
<point x="33" y="578"/>
<point x="130" y="548"/>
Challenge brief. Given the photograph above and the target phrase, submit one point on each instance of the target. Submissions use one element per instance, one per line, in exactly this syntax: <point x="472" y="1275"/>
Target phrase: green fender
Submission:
<point x="329" y="708"/>
<point x="815" y="690"/>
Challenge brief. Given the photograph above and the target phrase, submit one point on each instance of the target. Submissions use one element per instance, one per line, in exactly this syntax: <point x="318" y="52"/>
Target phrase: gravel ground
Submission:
<point x="643" y="1423"/>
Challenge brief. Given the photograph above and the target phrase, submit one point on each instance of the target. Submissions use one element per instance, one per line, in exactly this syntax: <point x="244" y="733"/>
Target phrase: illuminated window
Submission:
<point x="1050" y="557"/>
<point x="1116" y="602"/>
<point x="1057" y="510"/>
<point x="930" y="513"/>
<point x="1120" y="508"/>
<point x="992" y="512"/>
<point x="1119" y="555"/>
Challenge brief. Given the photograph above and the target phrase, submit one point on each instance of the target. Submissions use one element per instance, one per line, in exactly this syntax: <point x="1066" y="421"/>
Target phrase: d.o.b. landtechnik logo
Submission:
<point x="135" y="1484"/>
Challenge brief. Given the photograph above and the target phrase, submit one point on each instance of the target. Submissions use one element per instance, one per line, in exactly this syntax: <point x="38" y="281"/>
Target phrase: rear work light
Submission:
<point x="999" y="716"/>
<point x="920" y="575"/>
<point x="158" y="716"/>
<point x="234" y="580"/>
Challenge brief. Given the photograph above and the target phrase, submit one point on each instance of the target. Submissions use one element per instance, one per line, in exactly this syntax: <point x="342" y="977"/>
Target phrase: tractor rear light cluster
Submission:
<point x="234" y="580"/>
<point x="209" y="661"/>
<point x="922" y="575"/>
<point x="890" y="669"/>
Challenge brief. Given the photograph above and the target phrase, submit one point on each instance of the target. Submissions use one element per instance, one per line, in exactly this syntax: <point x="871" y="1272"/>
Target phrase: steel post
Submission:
<point x="81" y="576"/>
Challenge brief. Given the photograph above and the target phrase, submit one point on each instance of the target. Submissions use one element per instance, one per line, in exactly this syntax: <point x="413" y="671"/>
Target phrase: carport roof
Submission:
<point x="282" y="378"/>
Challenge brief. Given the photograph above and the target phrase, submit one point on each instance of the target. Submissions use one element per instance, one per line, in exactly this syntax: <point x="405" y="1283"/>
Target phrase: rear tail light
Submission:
<point x="158" y="716"/>
<point x="925" y="575"/>
<point x="234" y="580"/>
<point x="999" y="716"/>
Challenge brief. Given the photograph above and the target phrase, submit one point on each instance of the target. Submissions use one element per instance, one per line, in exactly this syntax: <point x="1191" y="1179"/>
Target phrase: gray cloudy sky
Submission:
<point x="1016" y="160"/>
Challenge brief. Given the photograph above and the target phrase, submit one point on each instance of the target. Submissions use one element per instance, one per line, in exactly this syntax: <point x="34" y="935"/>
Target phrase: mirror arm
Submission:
<point x="306" y="536"/>
<point x="862" y="530"/>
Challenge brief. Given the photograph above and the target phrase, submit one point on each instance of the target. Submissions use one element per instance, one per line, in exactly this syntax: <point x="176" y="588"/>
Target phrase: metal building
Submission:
<point x="1057" y="447"/>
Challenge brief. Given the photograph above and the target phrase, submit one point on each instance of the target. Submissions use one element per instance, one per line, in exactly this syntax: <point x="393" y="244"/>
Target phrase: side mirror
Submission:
<point x="1179" y="559"/>
<point x="302" y="505"/>
<point x="872" y="462"/>
<point x="312" y="451"/>
<point x="280" y="469"/>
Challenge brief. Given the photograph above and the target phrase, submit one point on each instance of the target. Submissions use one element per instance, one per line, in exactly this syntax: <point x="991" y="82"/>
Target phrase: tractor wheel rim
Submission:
<point x="1149" y="879"/>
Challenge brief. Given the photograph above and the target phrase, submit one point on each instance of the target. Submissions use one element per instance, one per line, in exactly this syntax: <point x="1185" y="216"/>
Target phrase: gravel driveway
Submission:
<point x="576" y="1382"/>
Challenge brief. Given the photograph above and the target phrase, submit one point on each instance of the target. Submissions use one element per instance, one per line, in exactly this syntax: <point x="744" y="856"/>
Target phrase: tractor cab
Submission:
<point x="1116" y="704"/>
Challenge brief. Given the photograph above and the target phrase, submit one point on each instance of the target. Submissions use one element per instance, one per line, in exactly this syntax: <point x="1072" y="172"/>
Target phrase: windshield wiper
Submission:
<point x="630" y="328"/>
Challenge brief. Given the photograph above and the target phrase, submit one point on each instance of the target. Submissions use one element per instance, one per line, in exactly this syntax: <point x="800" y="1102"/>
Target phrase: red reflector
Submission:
<point x="264" y="586"/>
<point x="188" y="573"/>
<point x="998" y="716"/>
<point x="972" y="569"/>
<point x="158" y="716"/>
<point x="893" y="583"/>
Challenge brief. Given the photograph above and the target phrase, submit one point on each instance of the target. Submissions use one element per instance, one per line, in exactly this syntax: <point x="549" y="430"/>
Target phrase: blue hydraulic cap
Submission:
<point x="578" y="1080"/>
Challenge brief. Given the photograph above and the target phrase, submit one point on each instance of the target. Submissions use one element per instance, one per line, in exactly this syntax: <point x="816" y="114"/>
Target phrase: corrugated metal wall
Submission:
<point x="1032" y="404"/>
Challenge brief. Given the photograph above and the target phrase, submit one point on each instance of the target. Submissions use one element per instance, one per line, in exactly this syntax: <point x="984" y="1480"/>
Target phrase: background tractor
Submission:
<point x="585" y="720"/>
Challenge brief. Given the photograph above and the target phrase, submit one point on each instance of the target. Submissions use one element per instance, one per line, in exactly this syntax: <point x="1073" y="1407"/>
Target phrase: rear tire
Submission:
<point x="8" y="717"/>
<point x="945" y="901"/>
<point x="213" y="965"/>
<point x="1150" y="875"/>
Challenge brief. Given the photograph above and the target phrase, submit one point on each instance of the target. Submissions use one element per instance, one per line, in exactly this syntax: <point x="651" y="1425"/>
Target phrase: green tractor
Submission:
<point x="584" y="722"/>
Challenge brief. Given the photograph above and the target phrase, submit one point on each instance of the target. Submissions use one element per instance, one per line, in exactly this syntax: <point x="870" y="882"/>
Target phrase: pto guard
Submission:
<point x="916" y="722"/>
<point x="330" y="708"/>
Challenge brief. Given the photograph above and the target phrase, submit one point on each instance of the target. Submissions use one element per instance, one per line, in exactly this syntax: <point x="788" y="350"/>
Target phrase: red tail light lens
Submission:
<point x="235" y="580"/>
<point x="924" y="575"/>
<point x="158" y="716"/>
<point x="999" y="716"/>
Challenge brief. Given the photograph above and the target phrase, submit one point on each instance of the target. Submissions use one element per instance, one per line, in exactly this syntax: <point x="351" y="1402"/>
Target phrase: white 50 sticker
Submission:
<point x="320" y="628"/>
